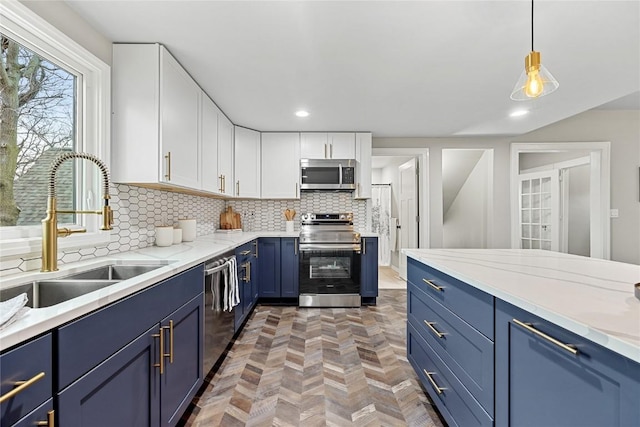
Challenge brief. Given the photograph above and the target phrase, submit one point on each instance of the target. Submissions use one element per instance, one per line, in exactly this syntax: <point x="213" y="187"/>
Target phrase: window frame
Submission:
<point x="93" y="120"/>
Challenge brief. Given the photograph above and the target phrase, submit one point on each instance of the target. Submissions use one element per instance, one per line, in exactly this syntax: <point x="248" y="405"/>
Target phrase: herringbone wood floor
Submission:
<point x="295" y="366"/>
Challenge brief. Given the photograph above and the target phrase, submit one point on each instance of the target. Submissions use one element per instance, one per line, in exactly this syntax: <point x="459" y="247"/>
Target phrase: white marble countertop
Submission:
<point x="173" y="260"/>
<point x="591" y="297"/>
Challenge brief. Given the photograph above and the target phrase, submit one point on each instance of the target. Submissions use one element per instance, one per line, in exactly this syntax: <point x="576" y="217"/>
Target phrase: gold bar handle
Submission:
<point x="433" y="285"/>
<point x="51" y="419"/>
<point x="220" y="189"/>
<point x="170" y="354"/>
<point x="21" y="386"/>
<point x="245" y="252"/>
<point x="256" y="245"/>
<point x="295" y="246"/>
<point x="237" y="188"/>
<point x="247" y="272"/>
<point x="530" y="328"/>
<point x="161" y="362"/>
<point x="437" y="388"/>
<point x="433" y="329"/>
<point x="296" y="189"/>
<point x="168" y="174"/>
<point x="364" y="246"/>
<point x="331" y="151"/>
<point x="325" y="151"/>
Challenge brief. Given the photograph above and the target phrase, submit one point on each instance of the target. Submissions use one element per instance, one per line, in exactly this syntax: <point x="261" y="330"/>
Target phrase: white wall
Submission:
<point x="621" y="128"/>
<point x="376" y="176"/>
<point x="579" y="217"/>
<point x="465" y="223"/>
<point x="64" y="18"/>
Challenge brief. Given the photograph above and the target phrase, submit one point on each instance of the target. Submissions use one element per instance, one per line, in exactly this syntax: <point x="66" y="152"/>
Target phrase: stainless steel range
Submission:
<point x="329" y="261"/>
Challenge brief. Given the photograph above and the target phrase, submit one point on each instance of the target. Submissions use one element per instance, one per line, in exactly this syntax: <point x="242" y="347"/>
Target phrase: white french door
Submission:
<point x="539" y="199"/>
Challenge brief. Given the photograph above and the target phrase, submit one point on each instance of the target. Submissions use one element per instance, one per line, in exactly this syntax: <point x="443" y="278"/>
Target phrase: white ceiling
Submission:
<point x="421" y="68"/>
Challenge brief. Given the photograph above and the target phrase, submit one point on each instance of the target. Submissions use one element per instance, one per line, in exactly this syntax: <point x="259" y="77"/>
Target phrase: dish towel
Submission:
<point x="234" y="297"/>
<point x="13" y="309"/>
<point x="393" y="228"/>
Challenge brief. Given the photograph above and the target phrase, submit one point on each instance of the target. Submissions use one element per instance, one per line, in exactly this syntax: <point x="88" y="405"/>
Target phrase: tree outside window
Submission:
<point x="37" y="123"/>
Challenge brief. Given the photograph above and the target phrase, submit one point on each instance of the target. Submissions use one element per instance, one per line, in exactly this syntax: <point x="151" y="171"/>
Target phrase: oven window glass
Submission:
<point x="322" y="267"/>
<point x="320" y="175"/>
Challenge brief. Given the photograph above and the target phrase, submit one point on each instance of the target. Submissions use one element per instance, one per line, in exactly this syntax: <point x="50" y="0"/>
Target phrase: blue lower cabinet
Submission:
<point x="183" y="350"/>
<point x="289" y="268"/>
<point x="124" y="390"/>
<point x="369" y="266"/>
<point x="542" y="383"/>
<point x="269" y="267"/>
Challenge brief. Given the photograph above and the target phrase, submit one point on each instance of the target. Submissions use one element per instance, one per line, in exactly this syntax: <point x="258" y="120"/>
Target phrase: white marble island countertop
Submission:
<point x="591" y="297"/>
<point x="171" y="260"/>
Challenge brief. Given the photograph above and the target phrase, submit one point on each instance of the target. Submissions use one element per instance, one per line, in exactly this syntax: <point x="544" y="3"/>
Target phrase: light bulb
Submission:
<point x="534" y="85"/>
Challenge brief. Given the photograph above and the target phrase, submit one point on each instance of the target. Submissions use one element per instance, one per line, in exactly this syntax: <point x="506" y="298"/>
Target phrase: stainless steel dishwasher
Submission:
<point x="218" y="323"/>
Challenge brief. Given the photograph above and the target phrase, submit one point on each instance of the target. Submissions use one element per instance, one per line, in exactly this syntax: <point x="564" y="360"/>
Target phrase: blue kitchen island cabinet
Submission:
<point x="369" y="270"/>
<point x="548" y="376"/>
<point x="106" y="378"/>
<point x="289" y="268"/>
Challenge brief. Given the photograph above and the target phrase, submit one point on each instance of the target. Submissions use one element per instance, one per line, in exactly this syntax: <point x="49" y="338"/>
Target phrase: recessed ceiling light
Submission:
<point x="302" y="113"/>
<point x="519" y="113"/>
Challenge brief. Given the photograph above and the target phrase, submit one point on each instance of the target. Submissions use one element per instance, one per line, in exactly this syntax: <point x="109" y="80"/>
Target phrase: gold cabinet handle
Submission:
<point x="364" y="246"/>
<point x="530" y="328"/>
<point x="296" y="189"/>
<point x="21" y="386"/>
<point x="331" y="151"/>
<point x="437" y="388"/>
<point x="51" y="419"/>
<point x="433" y="329"/>
<point x="256" y="245"/>
<point x="224" y="184"/>
<point x="220" y="186"/>
<point x="168" y="174"/>
<point x="295" y="246"/>
<point x="160" y="364"/>
<point x="170" y="354"/>
<point x="433" y="285"/>
<point x="247" y="272"/>
<point x="245" y="252"/>
<point x="237" y="188"/>
<point x="325" y="151"/>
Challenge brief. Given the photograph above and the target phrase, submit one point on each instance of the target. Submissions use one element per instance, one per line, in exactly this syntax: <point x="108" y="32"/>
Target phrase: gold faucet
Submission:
<point x="50" y="230"/>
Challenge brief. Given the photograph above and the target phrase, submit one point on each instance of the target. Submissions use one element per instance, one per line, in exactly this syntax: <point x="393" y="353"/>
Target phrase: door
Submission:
<point x="289" y="267"/>
<point x="183" y="375"/>
<point x="329" y="271"/>
<point x="179" y="108"/>
<point x="342" y="145"/>
<point x="247" y="163"/>
<point x="314" y="146"/>
<point x="268" y="267"/>
<point x="280" y="165"/>
<point x="539" y="203"/>
<point x="209" y="143"/>
<point x="124" y="390"/>
<point x="408" y="211"/>
<point x="225" y="155"/>
<point x="369" y="276"/>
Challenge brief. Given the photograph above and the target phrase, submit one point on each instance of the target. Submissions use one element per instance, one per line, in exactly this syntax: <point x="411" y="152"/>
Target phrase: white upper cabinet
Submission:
<point x="342" y="145"/>
<point x="225" y="155"/>
<point x="209" y="145"/>
<point x="319" y="145"/>
<point x="280" y="165"/>
<point x="247" y="163"/>
<point x="155" y="118"/>
<point x="363" y="166"/>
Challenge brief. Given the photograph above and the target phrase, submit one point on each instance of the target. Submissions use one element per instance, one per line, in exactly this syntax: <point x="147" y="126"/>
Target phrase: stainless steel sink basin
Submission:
<point x="45" y="293"/>
<point x="113" y="272"/>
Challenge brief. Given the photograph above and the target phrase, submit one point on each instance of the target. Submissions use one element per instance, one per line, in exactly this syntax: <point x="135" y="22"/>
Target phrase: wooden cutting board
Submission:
<point x="230" y="220"/>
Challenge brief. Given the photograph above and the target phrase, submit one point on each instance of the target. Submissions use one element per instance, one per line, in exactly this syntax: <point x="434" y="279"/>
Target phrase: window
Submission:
<point x="55" y="99"/>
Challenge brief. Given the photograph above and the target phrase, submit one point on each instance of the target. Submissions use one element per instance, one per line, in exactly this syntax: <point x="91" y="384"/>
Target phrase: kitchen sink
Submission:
<point x="49" y="292"/>
<point x="113" y="272"/>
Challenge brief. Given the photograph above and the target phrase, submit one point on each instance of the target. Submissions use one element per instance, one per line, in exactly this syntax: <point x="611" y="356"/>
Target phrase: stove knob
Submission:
<point x="312" y="216"/>
<point x="343" y="216"/>
<point x="304" y="216"/>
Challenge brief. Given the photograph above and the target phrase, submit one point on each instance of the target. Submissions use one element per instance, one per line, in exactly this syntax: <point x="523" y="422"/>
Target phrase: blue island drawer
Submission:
<point x="25" y="363"/>
<point x="455" y="403"/>
<point x="467" y="353"/>
<point x="470" y="304"/>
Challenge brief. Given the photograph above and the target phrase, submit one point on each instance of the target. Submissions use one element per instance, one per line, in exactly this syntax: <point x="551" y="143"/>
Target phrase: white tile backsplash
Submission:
<point x="138" y="210"/>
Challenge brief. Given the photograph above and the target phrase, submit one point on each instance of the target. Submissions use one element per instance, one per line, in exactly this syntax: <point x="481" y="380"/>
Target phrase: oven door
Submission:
<point x="330" y="269"/>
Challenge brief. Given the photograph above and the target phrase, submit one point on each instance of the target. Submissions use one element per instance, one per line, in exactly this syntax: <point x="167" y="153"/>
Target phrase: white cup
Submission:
<point x="188" y="227"/>
<point x="289" y="226"/>
<point x="177" y="236"/>
<point x="164" y="236"/>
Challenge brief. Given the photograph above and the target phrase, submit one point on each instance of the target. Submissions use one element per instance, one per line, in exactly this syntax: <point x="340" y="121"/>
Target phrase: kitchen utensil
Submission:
<point x="230" y="220"/>
<point x="289" y="226"/>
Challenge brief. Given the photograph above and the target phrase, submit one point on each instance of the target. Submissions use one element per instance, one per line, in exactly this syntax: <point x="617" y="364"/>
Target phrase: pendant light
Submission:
<point x="535" y="81"/>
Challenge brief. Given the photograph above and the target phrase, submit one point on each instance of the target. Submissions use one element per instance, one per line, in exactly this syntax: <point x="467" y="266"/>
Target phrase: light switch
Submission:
<point x="614" y="213"/>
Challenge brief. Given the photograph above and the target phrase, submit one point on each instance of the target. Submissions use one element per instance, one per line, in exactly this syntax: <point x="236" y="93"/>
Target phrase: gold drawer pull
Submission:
<point x="51" y="420"/>
<point x="170" y="354"/>
<point x="433" y="285"/>
<point x="438" y="390"/>
<point x="21" y="386"/>
<point x="168" y="174"/>
<point x="245" y="252"/>
<point x="534" y="331"/>
<point x="433" y="329"/>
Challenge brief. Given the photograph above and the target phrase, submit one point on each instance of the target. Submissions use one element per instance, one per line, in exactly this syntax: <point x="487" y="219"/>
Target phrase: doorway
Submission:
<point x="560" y="197"/>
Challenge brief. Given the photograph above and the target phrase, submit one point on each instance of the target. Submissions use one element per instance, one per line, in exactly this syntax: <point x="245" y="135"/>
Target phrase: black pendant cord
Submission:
<point x="531" y="25"/>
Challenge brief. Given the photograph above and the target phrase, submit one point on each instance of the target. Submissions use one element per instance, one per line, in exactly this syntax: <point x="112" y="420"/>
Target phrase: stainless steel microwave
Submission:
<point x="328" y="174"/>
